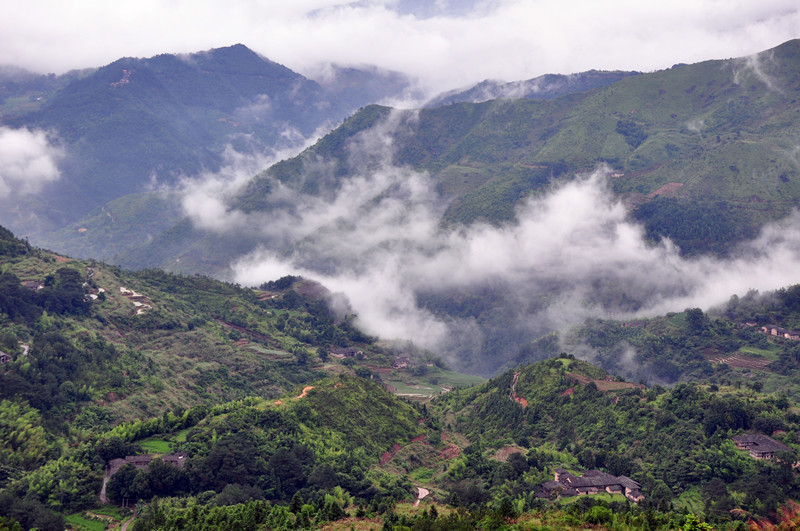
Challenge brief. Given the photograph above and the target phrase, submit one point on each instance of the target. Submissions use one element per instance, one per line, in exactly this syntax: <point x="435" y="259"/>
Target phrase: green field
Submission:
<point x="452" y="379"/>
<point x="79" y="521"/>
<point x="157" y="446"/>
<point x="771" y="354"/>
<point x="420" y="390"/>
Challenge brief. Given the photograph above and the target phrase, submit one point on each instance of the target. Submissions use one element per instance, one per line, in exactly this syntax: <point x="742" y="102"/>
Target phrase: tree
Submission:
<point x="693" y="523"/>
<point x="696" y="319"/>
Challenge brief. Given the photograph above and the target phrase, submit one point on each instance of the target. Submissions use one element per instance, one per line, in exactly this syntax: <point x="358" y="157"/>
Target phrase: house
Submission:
<point x="5" y="357"/>
<point x="760" y="446"/>
<point x="176" y="460"/>
<point x="32" y="285"/>
<point x="777" y="331"/>
<point x="139" y="461"/>
<point x="402" y="362"/>
<point x="143" y="461"/>
<point x="348" y="352"/>
<point x="590" y="482"/>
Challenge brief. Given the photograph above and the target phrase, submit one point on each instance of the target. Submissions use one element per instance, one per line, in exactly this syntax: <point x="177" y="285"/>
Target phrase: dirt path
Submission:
<point x="518" y="399"/>
<point x="129" y="520"/>
<point x="103" y="496"/>
<point x="421" y="493"/>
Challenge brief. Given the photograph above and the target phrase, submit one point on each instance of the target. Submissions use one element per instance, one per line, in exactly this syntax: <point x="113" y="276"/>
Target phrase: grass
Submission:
<point x="764" y="353"/>
<point x="422" y="474"/>
<point x="691" y="500"/>
<point x="112" y="510"/>
<point x="404" y="389"/>
<point x="456" y="379"/>
<point x="603" y="496"/>
<point x="79" y="521"/>
<point x="157" y="446"/>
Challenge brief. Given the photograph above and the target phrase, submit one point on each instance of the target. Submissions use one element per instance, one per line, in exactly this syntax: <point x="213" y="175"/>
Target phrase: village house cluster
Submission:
<point x="590" y="482"/>
<point x="777" y="331"/>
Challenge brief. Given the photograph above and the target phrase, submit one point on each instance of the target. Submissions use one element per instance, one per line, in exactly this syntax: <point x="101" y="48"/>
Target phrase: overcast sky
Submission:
<point x="446" y="43"/>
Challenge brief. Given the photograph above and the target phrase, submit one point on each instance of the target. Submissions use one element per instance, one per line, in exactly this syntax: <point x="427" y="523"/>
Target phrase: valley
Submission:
<point x="565" y="303"/>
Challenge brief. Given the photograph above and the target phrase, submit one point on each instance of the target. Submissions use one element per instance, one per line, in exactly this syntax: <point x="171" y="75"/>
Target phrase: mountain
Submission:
<point x="716" y="134"/>
<point x="546" y="87"/>
<point x="137" y="125"/>
<point x="701" y="154"/>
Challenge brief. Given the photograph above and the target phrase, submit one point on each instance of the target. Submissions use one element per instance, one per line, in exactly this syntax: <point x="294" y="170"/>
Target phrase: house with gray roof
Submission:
<point x="590" y="482"/>
<point x="760" y="446"/>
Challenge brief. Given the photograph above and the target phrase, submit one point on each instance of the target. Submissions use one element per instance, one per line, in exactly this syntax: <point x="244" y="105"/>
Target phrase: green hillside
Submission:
<point x="706" y="145"/>
<point x="565" y="412"/>
<point x="85" y="334"/>
<point x="278" y="427"/>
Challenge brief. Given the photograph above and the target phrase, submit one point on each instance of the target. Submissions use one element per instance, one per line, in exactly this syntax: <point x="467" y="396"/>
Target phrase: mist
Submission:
<point x="28" y="160"/>
<point x="475" y="294"/>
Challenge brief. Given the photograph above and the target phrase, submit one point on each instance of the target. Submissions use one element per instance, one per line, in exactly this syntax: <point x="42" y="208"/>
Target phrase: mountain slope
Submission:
<point x="546" y="87"/>
<point x="138" y="124"/>
<point x="704" y="133"/>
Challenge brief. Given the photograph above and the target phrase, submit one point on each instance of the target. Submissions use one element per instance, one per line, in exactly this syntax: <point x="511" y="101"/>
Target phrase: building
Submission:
<point x="760" y="446"/>
<point x="347" y="352"/>
<point x="590" y="482"/>
<point x="143" y="461"/>
<point x="5" y="357"/>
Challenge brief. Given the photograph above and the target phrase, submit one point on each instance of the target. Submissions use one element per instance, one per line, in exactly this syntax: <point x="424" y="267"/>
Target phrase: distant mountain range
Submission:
<point x="546" y="87"/>
<point x="702" y="153"/>
<point x="137" y="124"/>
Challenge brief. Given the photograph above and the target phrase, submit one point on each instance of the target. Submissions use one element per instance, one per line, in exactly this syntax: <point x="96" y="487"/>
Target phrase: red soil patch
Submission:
<point x="450" y="452"/>
<point x="387" y="456"/>
<point x="568" y="392"/>
<point x="61" y="259"/>
<point x="518" y="399"/>
<point x="306" y="389"/>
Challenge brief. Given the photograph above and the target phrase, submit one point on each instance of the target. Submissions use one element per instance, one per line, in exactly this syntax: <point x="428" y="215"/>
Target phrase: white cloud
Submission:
<point x="572" y="254"/>
<point x="27" y="161"/>
<point x="444" y="47"/>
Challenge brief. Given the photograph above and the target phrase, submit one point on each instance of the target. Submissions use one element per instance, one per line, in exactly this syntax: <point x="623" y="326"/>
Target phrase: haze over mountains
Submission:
<point x="137" y="125"/>
<point x="471" y="228"/>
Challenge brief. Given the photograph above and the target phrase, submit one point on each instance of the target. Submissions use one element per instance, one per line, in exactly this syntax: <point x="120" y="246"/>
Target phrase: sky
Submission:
<point x="444" y="44"/>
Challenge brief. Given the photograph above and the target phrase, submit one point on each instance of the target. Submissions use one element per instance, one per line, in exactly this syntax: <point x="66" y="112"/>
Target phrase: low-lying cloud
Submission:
<point x="476" y="293"/>
<point x="28" y="160"/>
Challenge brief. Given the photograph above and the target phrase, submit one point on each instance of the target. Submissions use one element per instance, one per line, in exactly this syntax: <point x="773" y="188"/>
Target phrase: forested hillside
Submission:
<point x="701" y="145"/>
<point x="254" y="409"/>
